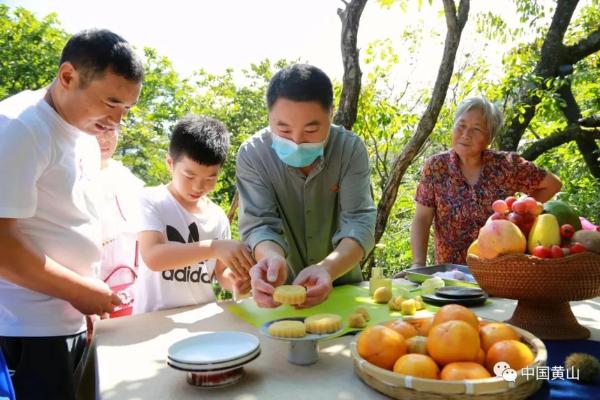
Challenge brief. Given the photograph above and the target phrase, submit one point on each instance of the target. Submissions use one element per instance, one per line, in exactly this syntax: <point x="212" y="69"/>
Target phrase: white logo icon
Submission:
<point x="502" y="369"/>
<point x="509" y="375"/>
<point x="499" y="368"/>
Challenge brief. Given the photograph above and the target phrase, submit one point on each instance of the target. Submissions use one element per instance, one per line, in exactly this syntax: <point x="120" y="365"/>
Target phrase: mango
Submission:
<point x="499" y="237"/>
<point x="545" y="232"/>
<point x="563" y="213"/>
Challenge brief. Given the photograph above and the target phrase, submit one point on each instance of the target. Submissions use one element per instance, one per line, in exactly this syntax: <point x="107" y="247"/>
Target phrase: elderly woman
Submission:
<point x="458" y="187"/>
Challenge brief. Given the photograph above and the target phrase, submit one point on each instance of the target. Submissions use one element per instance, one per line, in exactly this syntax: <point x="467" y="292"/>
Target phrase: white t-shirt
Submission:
<point x="118" y="214"/>
<point x="48" y="181"/>
<point x="161" y="212"/>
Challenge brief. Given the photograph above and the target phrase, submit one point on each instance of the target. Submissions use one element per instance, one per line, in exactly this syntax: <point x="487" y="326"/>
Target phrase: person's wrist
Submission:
<point x="210" y="245"/>
<point x="325" y="266"/>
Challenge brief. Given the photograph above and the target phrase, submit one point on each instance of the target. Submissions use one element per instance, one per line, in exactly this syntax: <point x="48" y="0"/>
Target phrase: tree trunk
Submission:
<point x="586" y="145"/>
<point x="455" y="23"/>
<point x="554" y="55"/>
<point x="348" y="106"/>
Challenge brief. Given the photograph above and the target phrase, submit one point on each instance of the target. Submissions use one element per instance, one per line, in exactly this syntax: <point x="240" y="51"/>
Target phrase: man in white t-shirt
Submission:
<point x="120" y="194"/>
<point x="184" y="237"/>
<point x="49" y="228"/>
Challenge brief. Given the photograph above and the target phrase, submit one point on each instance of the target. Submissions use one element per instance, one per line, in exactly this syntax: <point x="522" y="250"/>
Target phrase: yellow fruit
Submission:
<point x="456" y="312"/>
<point x="517" y="354"/>
<point x="402" y="327"/>
<point x="409" y="307"/>
<point x="381" y="346"/>
<point x="418" y="365"/>
<point x="544" y="232"/>
<point x="423" y="325"/>
<point x="493" y="332"/>
<point x="453" y="341"/>
<point x="420" y="303"/>
<point x="382" y="295"/>
<point x="417" y="344"/>
<point x="474" y="249"/>
<point x="499" y="237"/>
<point x="458" y="371"/>
<point x="393" y="305"/>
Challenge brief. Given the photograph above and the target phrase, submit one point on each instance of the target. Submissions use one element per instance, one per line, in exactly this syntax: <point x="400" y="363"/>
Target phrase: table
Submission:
<point x="127" y="357"/>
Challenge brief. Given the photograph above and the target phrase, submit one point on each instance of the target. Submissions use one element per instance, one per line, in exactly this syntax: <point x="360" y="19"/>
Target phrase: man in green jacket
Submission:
<point x="306" y="208"/>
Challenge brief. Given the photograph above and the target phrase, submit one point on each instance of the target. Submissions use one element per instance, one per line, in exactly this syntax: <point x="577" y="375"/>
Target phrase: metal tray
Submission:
<point x="419" y="274"/>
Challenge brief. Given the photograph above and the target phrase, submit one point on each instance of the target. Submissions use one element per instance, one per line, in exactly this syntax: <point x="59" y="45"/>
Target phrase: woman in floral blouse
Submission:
<point x="458" y="187"/>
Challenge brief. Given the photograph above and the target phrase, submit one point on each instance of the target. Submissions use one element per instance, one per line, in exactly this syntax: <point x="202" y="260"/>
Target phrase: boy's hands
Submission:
<point x="241" y="286"/>
<point x="235" y="255"/>
<point x="267" y="274"/>
<point x="95" y="298"/>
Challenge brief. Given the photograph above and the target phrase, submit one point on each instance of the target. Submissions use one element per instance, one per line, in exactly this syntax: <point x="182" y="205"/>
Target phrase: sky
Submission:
<point x="217" y="34"/>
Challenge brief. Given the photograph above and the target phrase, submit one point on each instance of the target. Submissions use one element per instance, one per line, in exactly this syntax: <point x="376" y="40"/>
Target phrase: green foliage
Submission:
<point x="389" y="110"/>
<point x="23" y="36"/>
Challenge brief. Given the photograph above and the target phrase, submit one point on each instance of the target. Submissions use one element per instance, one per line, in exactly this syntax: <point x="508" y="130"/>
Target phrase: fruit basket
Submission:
<point x="399" y="386"/>
<point x="543" y="288"/>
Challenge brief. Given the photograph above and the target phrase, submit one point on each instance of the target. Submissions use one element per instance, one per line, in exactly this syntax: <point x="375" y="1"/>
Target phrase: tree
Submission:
<point x="30" y="50"/>
<point x="551" y="75"/>
<point x="455" y="22"/>
<point x="350" y="16"/>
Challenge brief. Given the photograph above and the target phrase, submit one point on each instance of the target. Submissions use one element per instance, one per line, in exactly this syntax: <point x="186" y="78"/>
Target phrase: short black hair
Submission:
<point x="301" y="82"/>
<point x="93" y="52"/>
<point x="203" y="139"/>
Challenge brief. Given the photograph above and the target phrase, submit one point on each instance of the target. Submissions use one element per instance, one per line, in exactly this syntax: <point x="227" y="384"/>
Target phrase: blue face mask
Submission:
<point x="296" y="155"/>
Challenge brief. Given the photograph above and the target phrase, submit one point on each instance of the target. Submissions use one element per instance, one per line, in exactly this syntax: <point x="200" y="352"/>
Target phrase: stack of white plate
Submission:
<point x="214" y="359"/>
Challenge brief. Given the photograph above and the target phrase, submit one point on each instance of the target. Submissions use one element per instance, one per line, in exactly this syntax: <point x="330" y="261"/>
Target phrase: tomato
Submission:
<point x="576" y="247"/>
<point x="567" y="231"/>
<point x="541" y="252"/>
<point x="556" y="251"/>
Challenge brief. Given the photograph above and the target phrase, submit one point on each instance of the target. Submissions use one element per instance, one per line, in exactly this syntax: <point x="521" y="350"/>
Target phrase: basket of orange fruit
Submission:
<point x="542" y="256"/>
<point x="452" y="355"/>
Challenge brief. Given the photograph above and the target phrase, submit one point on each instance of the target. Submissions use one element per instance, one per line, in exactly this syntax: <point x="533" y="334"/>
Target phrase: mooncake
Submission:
<point x="323" y="323"/>
<point x="290" y="294"/>
<point x="287" y="329"/>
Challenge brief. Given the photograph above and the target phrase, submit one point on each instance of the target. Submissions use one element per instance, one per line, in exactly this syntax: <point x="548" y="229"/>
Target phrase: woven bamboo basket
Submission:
<point x="543" y="288"/>
<point x="399" y="386"/>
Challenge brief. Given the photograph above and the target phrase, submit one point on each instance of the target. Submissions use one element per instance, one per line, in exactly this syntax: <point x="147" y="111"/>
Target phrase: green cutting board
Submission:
<point x="343" y="300"/>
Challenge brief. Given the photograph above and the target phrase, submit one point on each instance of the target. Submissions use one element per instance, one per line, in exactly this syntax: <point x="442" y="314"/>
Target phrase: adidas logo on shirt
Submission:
<point x="189" y="273"/>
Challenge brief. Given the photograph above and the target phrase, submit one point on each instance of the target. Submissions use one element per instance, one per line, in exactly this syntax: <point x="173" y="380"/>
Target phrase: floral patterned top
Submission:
<point x="461" y="209"/>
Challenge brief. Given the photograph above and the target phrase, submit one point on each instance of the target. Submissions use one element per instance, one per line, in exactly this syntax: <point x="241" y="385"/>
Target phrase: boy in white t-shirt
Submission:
<point x="184" y="237"/>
